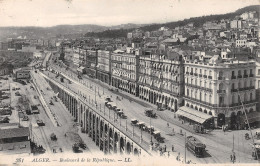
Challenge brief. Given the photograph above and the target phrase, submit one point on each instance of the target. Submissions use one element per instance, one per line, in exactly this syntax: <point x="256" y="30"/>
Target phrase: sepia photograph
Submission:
<point x="129" y="82"/>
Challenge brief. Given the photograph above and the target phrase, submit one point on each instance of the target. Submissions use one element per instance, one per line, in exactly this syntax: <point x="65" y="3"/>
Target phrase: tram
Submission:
<point x="195" y="146"/>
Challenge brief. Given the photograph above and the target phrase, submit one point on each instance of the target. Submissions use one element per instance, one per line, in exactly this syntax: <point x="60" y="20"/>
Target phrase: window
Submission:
<point x="233" y="86"/>
<point x="205" y="97"/>
<point x="251" y="83"/>
<point x="205" y="72"/>
<point x="221" y="101"/>
<point x="239" y="72"/>
<point x="233" y="99"/>
<point x="221" y="86"/>
<point x="220" y="74"/>
<point x="245" y="84"/>
<point x="245" y="97"/>
<point x="233" y="73"/>
<point x="191" y="70"/>
<point x="251" y="96"/>
<point x="258" y="71"/>
<point x="239" y="85"/>
<point x="200" y="71"/>
<point x="210" y="73"/>
<point x="245" y="72"/>
<point x="188" y="92"/>
<point x="251" y="71"/>
<point x="258" y="83"/>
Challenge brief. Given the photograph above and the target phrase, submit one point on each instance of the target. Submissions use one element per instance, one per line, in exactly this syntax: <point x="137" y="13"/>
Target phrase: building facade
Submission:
<point x="161" y="81"/>
<point x="219" y="88"/>
<point x="104" y="66"/>
<point x="91" y="63"/>
<point x="124" y="71"/>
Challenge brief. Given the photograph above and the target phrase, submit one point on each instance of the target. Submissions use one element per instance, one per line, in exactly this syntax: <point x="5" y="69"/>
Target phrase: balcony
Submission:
<point x="221" y="78"/>
<point x="222" y="105"/>
<point x="233" y="77"/>
<point x="207" y="89"/>
<point x="240" y="89"/>
<point x="205" y="76"/>
<point x="245" y="76"/>
<point x="187" y="73"/>
<point x="195" y="74"/>
<point x="247" y="88"/>
<point x="200" y="75"/>
<point x="191" y="73"/>
<point x="221" y="91"/>
<point x="233" y="90"/>
<point x="239" y="76"/>
<point x="251" y="75"/>
<point x="210" y="77"/>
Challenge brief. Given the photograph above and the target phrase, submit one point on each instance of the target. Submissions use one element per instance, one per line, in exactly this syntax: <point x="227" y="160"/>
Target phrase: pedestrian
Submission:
<point x="168" y="154"/>
<point x="172" y="148"/>
<point x="165" y="148"/>
<point x="231" y="157"/>
<point x="234" y="158"/>
<point x="167" y="124"/>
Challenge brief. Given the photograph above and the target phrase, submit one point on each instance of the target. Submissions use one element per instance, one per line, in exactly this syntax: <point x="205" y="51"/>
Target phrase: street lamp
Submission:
<point x="151" y="130"/>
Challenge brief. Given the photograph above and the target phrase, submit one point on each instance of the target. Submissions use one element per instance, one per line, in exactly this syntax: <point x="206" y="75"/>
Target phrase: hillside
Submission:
<point x="198" y="22"/>
<point x="71" y="31"/>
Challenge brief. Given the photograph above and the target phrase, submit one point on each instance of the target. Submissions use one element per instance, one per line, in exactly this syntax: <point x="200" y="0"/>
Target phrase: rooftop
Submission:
<point x="14" y="132"/>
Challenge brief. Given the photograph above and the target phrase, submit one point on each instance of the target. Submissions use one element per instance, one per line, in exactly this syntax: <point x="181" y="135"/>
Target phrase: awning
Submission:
<point x="193" y="114"/>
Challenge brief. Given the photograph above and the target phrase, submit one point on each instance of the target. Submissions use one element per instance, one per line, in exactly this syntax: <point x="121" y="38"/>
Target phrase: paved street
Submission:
<point x="132" y="109"/>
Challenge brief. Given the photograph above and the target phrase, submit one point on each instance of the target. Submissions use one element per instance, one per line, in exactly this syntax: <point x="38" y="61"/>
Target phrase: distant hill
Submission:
<point x="198" y="22"/>
<point x="67" y="30"/>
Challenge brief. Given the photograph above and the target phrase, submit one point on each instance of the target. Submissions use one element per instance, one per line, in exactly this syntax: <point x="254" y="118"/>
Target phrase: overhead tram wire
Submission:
<point x="248" y="125"/>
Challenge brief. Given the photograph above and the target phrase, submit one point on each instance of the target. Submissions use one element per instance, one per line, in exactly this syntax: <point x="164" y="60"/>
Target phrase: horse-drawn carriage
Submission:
<point x="158" y="137"/>
<point x="141" y="125"/>
<point x="53" y="137"/>
<point x="134" y="122"/>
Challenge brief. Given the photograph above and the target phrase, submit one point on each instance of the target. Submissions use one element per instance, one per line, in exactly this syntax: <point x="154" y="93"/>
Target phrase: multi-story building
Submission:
<point x="82" y="57"/>
<point x="104" y="66"/>
<point x="75" y="59"/>
<point x="241" y="43"/>
<point x="257" y="87"/>
<point x="91" y="63"/>
<point x="161" y="80"/>
<point x="125" y="69"/>
<point x="217" y="89"/>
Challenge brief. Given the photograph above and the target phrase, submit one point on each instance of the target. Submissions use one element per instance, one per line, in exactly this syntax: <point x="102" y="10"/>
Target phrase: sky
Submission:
<point x="47" y="13"/>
